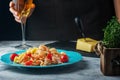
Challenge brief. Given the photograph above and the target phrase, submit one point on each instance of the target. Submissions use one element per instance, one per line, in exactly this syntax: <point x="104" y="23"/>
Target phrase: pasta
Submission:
<point x="41" y="56"/>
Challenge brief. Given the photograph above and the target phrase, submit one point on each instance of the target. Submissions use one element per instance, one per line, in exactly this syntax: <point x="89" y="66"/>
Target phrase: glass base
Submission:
<point x="23" y="46"/>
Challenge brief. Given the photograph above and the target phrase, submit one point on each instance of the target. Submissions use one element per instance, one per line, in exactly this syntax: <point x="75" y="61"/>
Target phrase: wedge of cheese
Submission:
<point x="86" y="44"/>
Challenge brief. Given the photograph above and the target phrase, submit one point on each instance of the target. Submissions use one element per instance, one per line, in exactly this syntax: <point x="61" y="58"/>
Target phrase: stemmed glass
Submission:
<point x="22" y="6"/>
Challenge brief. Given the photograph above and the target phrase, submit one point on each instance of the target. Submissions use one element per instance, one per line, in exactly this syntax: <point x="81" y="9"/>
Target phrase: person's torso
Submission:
<point x="54" y="19"/>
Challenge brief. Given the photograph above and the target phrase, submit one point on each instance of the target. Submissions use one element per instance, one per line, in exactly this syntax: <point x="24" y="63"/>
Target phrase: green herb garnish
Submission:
<point x="112" y="34"/>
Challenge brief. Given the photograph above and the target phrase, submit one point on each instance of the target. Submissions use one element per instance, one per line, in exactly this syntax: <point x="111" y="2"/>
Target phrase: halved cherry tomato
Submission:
<point x="12" y="56"/>
<point x="28" y="54"/>
<point x="29" y="63"/>
<point x="49" y="56"/>
<point x="64" y="58"/>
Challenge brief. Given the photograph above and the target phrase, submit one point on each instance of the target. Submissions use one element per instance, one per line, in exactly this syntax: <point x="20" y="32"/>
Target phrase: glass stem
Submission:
<point x="23" y="26"/>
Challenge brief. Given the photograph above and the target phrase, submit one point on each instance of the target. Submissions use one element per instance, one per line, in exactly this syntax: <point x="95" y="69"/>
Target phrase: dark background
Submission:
<point x="54" y="20"/>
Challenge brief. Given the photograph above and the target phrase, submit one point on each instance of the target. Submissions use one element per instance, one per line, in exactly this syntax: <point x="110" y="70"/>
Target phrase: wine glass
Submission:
<point x="23" y="8"/>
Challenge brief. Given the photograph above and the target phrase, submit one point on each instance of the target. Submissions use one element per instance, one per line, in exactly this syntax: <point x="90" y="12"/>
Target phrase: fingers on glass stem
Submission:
<point x="23" y="19"/>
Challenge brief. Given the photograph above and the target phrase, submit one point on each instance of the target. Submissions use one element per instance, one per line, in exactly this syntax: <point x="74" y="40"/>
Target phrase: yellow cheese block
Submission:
<point x="86" y="44"/>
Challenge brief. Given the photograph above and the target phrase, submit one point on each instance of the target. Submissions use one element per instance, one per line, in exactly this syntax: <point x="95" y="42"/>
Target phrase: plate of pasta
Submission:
<point x="41" y="57"/>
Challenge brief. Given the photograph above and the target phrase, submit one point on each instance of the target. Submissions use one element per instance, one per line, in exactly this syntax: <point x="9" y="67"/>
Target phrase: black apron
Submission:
<point x="54" y="19"/>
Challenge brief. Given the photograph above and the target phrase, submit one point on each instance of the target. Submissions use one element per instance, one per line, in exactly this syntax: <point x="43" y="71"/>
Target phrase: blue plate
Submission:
<point x="74" y="57"/>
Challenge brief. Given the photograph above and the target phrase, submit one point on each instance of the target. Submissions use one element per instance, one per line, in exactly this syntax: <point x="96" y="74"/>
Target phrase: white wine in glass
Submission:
<point x="23" y="8"/>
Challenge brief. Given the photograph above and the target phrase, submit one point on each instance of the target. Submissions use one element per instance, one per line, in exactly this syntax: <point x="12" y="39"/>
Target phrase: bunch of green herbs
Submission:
<point x="112" y="34"/>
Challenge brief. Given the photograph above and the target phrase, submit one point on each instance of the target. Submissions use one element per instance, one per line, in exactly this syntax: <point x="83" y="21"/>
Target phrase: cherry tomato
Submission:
<point x="49" y="56"/>
<point x="12" y="56"/>
<point x="28" y="63"/>
<point x="64" y="58"/>
<point x="28" y="54"/>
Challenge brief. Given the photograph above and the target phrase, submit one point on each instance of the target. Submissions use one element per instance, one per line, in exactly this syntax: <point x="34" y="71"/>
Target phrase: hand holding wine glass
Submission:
<point x="15" y="12"/>
<point x="21" y="10"/>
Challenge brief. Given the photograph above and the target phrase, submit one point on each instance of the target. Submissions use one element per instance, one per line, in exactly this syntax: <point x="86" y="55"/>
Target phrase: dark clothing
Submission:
<point x="54" y="19"/>
<point x="9" y="28"/>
